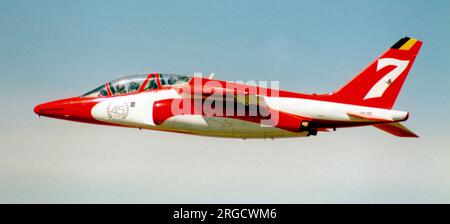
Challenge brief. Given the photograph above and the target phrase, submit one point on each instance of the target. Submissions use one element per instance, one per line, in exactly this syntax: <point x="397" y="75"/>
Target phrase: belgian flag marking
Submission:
<point x="404" y="44"/>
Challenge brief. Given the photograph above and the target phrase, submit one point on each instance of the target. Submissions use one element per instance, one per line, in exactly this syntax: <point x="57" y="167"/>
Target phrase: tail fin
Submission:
<point x="378" y="85"/>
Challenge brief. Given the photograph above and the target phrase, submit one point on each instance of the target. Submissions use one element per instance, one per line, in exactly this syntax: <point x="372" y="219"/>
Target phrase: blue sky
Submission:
<point x="56" y="49"/>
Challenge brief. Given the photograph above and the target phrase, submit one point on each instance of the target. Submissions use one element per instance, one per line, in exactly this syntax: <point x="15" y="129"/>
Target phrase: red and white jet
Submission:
<point x="204" y="106"/>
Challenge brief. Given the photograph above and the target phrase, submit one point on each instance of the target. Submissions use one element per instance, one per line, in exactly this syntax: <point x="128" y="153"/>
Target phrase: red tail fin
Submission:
<point x="378" y="85"/>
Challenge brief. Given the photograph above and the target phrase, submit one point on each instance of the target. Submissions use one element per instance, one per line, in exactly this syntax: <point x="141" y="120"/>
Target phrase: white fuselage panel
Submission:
<point x="137" y="111"/>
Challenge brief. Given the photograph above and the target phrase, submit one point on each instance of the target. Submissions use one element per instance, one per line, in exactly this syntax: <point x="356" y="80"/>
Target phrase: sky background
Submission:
<point x="57" y="49"/>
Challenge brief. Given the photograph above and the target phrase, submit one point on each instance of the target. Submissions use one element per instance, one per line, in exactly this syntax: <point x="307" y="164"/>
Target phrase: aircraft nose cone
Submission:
<point x="50" y="109"/>
<point x="74" y="109"/>
<point x="37" y="109"/>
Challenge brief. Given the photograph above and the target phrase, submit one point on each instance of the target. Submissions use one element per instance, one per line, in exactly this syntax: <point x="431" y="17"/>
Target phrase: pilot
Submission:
<point x="172" y="80"/>
<point x="134" y="86"/>
<point x="103" y="92"/>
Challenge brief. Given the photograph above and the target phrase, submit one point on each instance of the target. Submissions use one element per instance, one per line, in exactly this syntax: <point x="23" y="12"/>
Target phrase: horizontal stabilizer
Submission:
<point x="367" y="117"/>
<point x="396" y="129"/>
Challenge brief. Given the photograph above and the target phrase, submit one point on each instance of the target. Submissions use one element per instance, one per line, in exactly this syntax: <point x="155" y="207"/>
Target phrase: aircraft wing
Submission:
<point x="243" y="97"/>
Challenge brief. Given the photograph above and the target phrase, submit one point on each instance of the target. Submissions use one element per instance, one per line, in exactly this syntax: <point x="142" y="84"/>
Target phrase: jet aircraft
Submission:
<point x="209" y="107"/>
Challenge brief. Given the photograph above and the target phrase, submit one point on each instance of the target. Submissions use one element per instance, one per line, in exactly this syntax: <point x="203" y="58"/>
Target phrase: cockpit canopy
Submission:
<point x="137" y="83"/>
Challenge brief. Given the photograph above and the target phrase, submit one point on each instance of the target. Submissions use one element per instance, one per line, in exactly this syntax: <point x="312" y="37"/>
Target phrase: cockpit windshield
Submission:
<point x="100" y="91"/>
<point x="135" y="83"/>
<point x="129" y="84"/>
<point x="170" y="79"/>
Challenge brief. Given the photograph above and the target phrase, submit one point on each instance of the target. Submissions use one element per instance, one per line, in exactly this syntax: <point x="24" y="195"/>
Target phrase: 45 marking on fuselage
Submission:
<point x="118" y="111"/>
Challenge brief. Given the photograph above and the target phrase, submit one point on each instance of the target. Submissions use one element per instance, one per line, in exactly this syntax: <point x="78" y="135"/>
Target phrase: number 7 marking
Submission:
<point x="380" y="87"/>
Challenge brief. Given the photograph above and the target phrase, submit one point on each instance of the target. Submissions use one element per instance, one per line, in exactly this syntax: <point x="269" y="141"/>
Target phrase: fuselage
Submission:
<point x="201" y="106"/>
